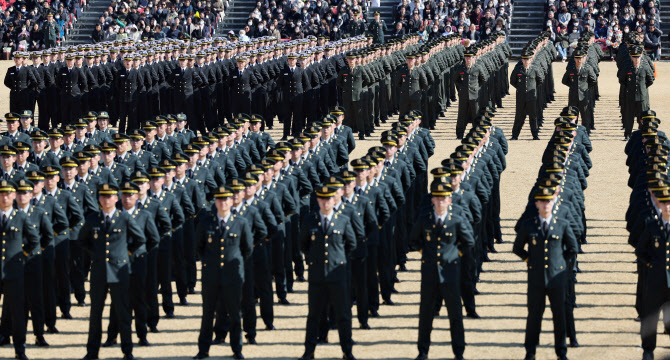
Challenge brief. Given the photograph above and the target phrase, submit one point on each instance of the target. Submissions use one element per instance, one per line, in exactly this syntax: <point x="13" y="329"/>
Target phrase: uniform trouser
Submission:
<point x="77" y="270"/>
<point x="127" y="110"/>
<point x="585" y="113"/>
<point x="372" y="264"/>
<point x="179" y="245"/>
<point x="523" y="109"/>
<point x="358" y="275"/>
<point x="154" y="102"/>
<point x="288" y="250"/>
<point x="536" y="306"/>
<point x="639" y="293"/>
<point x="189" y="254"/>
<point x="62" y="272"/>
<point x="248" y="307"/>
<point x="49" y="286"/>
<point x="151" y="292"/>
<point x="54" y="113"/>
<point x="165" y="105"/>
<point x="319" y="296"/>
<point x="34" y="294"/>
<point x="263" y="282"/>
<point x="633" y="110"/>
<point x="228" y="296"/>
<point x="296" y="255"/>
<point x="570" y="300"/>
<point x="354" y="118"/>
<point x="467" y="110"/>
<point x="45" y="111"/>
<point x="468" y="281"/>
<point x="13" y="291"/>
<point x="165" y="272"/>
<point x="386" y="259"/>
<point x="656" y="295"/>
<point x="430" y="289"/>
<point x="19" y="100"/>
<point x="70" y="109"/>
<point x="138" y="301"/>
<point x="121" y="300"/>
<point x="293" y="117"/>
<point x="278" y="268"/>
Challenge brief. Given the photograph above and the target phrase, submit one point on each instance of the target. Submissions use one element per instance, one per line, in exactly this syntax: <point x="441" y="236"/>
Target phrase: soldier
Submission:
<point x="411" y="81"/>
<point x="377" y="29"/>
<point x="451" y="235"/>
<point x="468" y="77"/>
<point x="13" y="132"/>
<point x="71" y="83"/>
<point x="357" y="26"/>
<point x="110" y="268"/>
<point x="579" y="78"/>
<point x="184" y="80"/>
<point x="636" y="79"/>
<point x="526" y="79"/>
<point x="551" y="246"/>
<point x="138" y="286"/>
<point x="19" y="79"/>
<point x="23" y="241"/>
<point x="7" y="170"/>
<point x="129" y="83"/>
<point x="23" y="151"/>
<point x="325" y="232"/>
<point x="290" y="85"/>
<point x="350" y="81"/>
<point x="223" y="267"/>
<point x="50" y="30"/>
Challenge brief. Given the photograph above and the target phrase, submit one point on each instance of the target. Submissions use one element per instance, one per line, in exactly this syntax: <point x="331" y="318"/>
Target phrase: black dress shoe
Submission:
<point x="90" y="357"/>
<point x="348" y="356"/>
<point x="143" y="342"/>
<point x="361" y="137"/>
<point x="66" y="316"/>
<point x="191" y="290"/>
<point x="201" y="356"/>
<point x="300" y="278"/>
<point x="493" y="250"/>
<point x="374" y="314"/>
<point x="21" y="356"/>
<point x="648" y="355"/>
<point x="81" y="303"/>
<point x="219" y="340"/>
<point x="109" y="342"/>
<point x="183" y="302"/>
<point x="459" y="357"/>
<point x="169" y="315"/>
<point x="322" y="340"/>
<point x="251" y="341"/>
<point x="270" y="327"/>
<point x="422" y="356"/>
<point x="52" y="330"/>
<point x="290" y="290"/>
<point x="39" y="341"/>
<point x="476" y="292"/>
<point x="402" y="267"/>
<point x="486" y="259"/>
<point x="365" y="326"/>
<point x="153" y="329"/>
<point x="307" y="356"/>
<point x="473" y="315"/>
<point x="128" y="357"/>
<point x="394" y="291"/>
<point x="4" y="340"/>
<point x="563" y="358"/>
<point x="529" y="357"/>
<point x="389" y="302"/>
<point x="573" y="342"/>
<point x="637" y="319"/>
<point x="284" y="302"/>
<point x="500" y="241"/>
<point x="238" y="356"/>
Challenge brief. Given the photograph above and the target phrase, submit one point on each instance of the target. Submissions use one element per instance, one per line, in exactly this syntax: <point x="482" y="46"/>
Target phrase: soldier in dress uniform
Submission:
<point x="112" y="238"/>
<point x="13" y="132"/>
<point x="224" y="242"/>
<point x="635" y="79"/>
<point x="290" y="84"/>
<point x="21" y="241"/>
<point x="350" y="81"/>
<point x="129" y="83"/>
<point x="146" y="158"/>
<point x="327" y="240"/>
<point x="7" y="170"/>
<point x="26" y="119"/>
<point x="526" y="78"/>
<point x="71" y="83"/>
<point x="377" y="28"/>
<point x="23" y="151"/>
<point x="20" y="80"/>
<point x="469" y="78"/>
<point x="579" y="78"/>
<point x="548" y="245"/>
<point x="357" y="26"/>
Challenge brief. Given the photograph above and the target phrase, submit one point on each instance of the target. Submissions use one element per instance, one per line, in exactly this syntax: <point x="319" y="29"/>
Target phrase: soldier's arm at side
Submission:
<point x="349" y="238"/>
<point x="135" y="238"/>
<point x="520" y="244"/>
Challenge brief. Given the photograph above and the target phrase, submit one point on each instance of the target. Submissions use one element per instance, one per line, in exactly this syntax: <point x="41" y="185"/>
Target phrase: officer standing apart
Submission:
<point x="636" y="81"/>
<point x="327" y="240"/>
<point x="225" y="241"/>
<point x="579" y="78"/>
<point x="526" y="79"/>
<point x="547" y="245"/>
<point x="20" y="241"/>
<point x="442" y="237"/>
<point x="377" y="29"/>
<point x="112" y="238"/>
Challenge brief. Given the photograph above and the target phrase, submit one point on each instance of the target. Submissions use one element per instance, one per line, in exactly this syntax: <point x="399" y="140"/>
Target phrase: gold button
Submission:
<point x="546" y="258"/>
<point x="546" y="266"/>
<point x="221" y="264"/>
<point x="326" y="245"/>
<point x="326" y="261"/>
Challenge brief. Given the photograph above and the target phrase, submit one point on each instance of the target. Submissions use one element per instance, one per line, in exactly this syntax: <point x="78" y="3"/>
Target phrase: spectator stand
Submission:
<point x="81" y="31"/>
<point x="664" y="7"/>
<point x="236" y="16"/>
<point x="527" y="21"/>
<point x="386" y="13"/>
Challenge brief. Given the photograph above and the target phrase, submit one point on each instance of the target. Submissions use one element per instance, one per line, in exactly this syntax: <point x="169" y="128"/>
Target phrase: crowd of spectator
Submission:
<point x="612" y="21"/>
<point x="158" y="19"/>
<point x="297" y="19"/>
<point x="36" y="24"/>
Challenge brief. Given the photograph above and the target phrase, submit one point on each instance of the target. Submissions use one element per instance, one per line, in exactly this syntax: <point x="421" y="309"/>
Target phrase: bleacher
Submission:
<point x="527" y="22"/>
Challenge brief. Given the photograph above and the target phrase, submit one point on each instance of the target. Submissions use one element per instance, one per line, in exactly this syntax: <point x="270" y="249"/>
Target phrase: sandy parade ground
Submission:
<point x="605" y="292"/>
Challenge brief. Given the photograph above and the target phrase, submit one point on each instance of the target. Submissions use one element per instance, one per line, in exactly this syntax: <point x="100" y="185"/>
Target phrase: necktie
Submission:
<point x="545" y="227"/>
<point x="387" y="163"/>
<point x="234" y="211"/>
<point x="337" y="131"/>
<point x="33" y="201"/>
<point x="6" y="176"/>
<point x="240" y="72"/>
<point x="4" y="220"/>
<point x="223" y="223"/>
<point x="149" y="147"/>
<point x="19" y="168"/>
<point x="438" y="222"/>
<point x="155" y="196"/>
<point x="667" y="228"/>
<point x="189" y="173"/>
<point x="89" y="135"/>
<point x="108" y="222"/>
<point x="359" y="191"/>
<point x="325" y="224"/>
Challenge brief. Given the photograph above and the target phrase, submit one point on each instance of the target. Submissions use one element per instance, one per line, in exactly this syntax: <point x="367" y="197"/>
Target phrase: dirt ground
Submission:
<point x="605" y="292"/>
